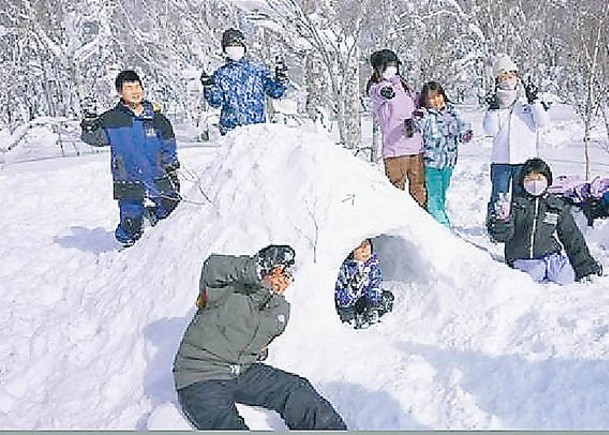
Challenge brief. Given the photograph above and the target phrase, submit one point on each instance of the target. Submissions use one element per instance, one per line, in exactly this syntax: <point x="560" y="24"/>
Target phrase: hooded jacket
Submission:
<point x="529" y="232"/>
<point x="442" y="131"/>
<point x="239" y="319"/>
<point x="514" y="130"/>
<point x="391" y="115"/>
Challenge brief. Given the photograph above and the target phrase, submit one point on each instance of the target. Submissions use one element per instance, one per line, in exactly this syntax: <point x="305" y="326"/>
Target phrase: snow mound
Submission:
<point x="470" y="344"/>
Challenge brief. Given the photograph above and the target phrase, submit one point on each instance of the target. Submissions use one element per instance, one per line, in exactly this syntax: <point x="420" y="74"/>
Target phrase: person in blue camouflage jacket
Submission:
<point x="240" y="86"/>
<point x="442" y="130"/>
<point x="143" y="156"/>
<point x="358" y="296"/>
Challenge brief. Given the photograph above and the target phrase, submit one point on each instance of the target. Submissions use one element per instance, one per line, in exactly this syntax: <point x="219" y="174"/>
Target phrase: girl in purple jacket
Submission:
<point x="394" y="104"/>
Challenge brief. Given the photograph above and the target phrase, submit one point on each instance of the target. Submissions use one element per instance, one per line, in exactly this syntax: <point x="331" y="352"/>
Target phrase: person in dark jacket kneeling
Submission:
<point x="527" y="227"/>
<point x="241" y="309"/>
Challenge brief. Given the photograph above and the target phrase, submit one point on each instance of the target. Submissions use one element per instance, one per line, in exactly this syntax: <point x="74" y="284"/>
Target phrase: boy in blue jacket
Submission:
<point x="144" y="160"/>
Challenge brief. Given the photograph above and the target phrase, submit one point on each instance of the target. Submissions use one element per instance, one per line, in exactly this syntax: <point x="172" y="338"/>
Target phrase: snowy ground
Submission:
<point x="89" y="333"/>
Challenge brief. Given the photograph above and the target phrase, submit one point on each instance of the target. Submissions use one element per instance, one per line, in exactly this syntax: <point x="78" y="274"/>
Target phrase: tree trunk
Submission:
<point x="377" y="140"/>
<point x="604" y="110"/>
<point x="587" y="130"/>
<point x="315" y="83"/>
<point x="352" y="133"/>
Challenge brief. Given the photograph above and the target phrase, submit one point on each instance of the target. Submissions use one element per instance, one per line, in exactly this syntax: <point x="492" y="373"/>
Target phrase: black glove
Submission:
<point x="281" y="70"/>
<point x="272" y="256"/>
<point x="595" y="269"/>
<point x="409" y="127"/>
<point x="206" y="79"/>
<point x="419" y="113"/>
<point x="387" y="92"/>
<point x="531" y="91"/>
<point x="91" y="121"/>
<point x="492" y="101"/>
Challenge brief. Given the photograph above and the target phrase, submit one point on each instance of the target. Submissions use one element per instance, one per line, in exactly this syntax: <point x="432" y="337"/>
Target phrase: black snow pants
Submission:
<point x="210" y="405"/>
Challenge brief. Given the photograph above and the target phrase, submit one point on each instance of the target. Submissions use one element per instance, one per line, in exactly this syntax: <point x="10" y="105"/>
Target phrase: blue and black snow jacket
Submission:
<point x="240" y="88"/>
<point x="356" y="280"/>
<point x="143" y="150"/>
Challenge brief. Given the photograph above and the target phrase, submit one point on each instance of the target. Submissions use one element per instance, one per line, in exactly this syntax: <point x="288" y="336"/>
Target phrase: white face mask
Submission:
<point x="535" y="187"/>
<point x="389" y="72"/>
<point x="509" y="84"/>
<point x="235" y="52"/>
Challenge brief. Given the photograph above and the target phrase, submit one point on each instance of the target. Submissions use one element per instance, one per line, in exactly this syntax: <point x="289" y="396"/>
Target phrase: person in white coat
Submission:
<point x="513" y="118"/>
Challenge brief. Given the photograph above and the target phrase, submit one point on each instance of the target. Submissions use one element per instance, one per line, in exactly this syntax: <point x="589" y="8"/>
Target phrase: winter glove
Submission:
<point x="206" y="79"/>
<point x="387" y="92"/>
<point x="281" y="70"/>
<point x="409" y="127"/>
<point x="502" y="207"/>
<point x="91" y="121"/>
<point x="269" y="258"/>
<point x="418" y="113"/>
<point x="531" y="91"/>
<point x="468" y="136"/>
<point x="492" y="101"/>
<point x="595" y="269"/>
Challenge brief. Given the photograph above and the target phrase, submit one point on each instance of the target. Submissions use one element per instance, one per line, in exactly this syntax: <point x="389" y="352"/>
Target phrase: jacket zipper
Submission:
<point x="251" y="340"/>
<point x="509" y="135"/>
<point x="534" y="228"/>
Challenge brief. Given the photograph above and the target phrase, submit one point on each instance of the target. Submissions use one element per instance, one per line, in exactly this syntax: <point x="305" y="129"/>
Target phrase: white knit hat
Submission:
<point x="503" y="63"/>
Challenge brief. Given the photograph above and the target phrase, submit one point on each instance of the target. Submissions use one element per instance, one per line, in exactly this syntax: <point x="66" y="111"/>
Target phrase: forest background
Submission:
<point x="56" y="56"/>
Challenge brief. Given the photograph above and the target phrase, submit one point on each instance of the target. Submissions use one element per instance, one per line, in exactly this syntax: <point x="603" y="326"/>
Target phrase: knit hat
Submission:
<point x="536" y="166"/>
<point x="380" y="59"/>
<point x="270" y="257"/>
<point x="503" y="63"/>
<point x="232" y="37"/>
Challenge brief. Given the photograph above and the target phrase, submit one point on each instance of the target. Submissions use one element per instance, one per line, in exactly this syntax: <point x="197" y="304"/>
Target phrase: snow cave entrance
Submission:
<point x="403" y="267"/>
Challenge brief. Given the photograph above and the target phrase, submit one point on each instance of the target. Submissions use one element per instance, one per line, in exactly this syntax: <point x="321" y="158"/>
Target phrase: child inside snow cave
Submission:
<point x="358" y="297"/>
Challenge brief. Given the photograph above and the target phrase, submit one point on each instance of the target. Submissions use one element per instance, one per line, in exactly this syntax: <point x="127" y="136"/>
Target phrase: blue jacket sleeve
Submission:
<point x="375" y="277"/>
<point x="341" y="289"/>
<point x="273" y="88"/>
<point x="214" y="94"/>
<point x="169" y="155"/>
<point x="463" y="126"/>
